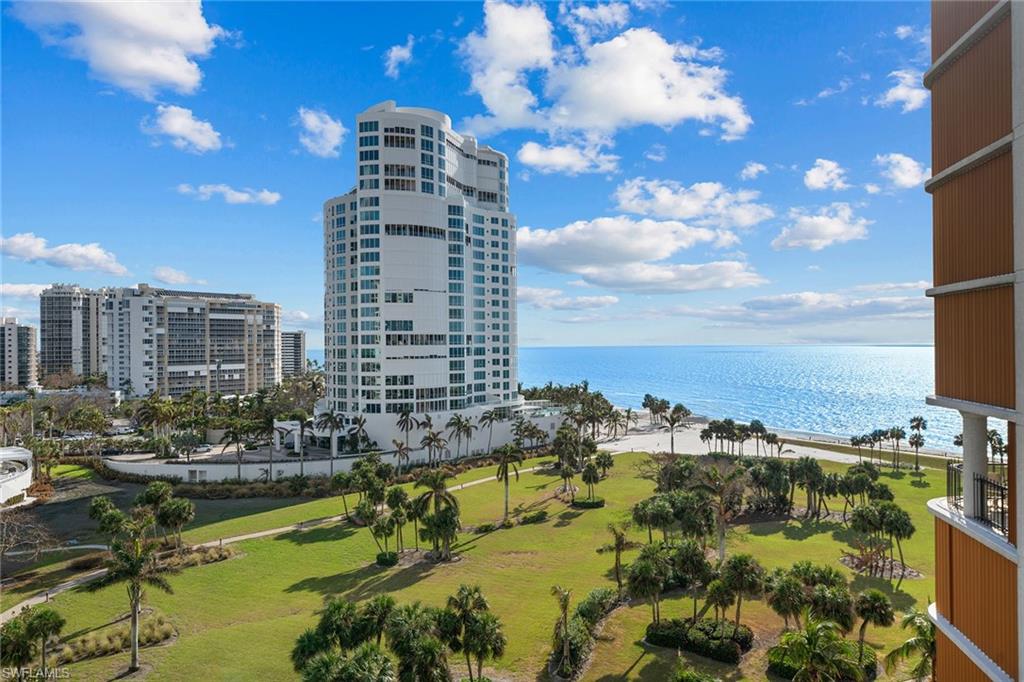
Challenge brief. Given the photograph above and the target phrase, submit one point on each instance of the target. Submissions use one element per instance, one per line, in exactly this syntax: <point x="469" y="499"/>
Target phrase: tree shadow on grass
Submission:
<point x="795" y="529"/>
<point x="324" y="533"/>
<point x="364" y="582"/>
<point x="901" y="601"/>
<point x="921" y="482"/>
<point x="566" y="517"/>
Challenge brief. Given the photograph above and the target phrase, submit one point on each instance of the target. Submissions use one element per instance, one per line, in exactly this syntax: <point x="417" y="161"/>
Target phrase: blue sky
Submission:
<point x="681" y="173"/>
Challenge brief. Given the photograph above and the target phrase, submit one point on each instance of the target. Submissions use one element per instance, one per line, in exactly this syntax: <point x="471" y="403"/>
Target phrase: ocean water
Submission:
<point x="838" y="390"/>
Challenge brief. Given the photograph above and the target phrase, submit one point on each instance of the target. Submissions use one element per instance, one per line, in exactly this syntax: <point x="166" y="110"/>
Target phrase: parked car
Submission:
<point x="110" y="452"/>
<point x="205" y="447"/>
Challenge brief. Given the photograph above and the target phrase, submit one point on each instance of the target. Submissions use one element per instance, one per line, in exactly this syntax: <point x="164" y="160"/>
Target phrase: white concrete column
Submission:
<point x="296" y="441"/>
<point x="975" y="456"/>
<point x="277" y="441"/>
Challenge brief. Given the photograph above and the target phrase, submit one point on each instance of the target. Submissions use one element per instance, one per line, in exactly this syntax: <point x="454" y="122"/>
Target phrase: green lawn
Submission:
<point x="238" y="619"/>
<point x="72" y="471"/>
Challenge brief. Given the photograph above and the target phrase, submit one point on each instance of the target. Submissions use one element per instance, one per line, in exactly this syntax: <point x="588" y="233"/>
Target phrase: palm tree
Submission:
<point x="485" y="639"/>
<point x="406" y="422"/>
<point x="466" y="604"/>
<point x="873" y="608"/>
<point x="719" y="596"/>
<point x="376" y="613"/>
<point x="647" y="575"/>
<point x="488" y="419"/>
<point x="721" y="484"/>
<point x="436" y="494"/>
<point x="744" y="576"/>
<point x="591" y="476"/>
<point x="357" y="432"/>
<point x="692" y="567"/>
<point x="174" y="515"/>
<point x="788" y="598"/>
<point x="236" y="431"/>
<point x="331" y="421"/>
<point x="42" y="624"/>
<point x="673" y="420"/>
<point x="921" y="643"/>
<point x="563" y="596"/>
<point x="433" y="442"/>
<point x="466" y="430"/>
<point x="402" y="453"/>
<point x="133" y="560"/>
<point x="619" y="544"/>
<point x="19" y="646"/>
<point x="342" y="483"/>
<point x="616" y="420"/>
<point x="509" y="457"/>
<point x="819" y="652"/>
<point x="454" y="426"/>
<point x="630" y="418"/>
<point x="916" y="441"/>
<point x="604" y="461"/>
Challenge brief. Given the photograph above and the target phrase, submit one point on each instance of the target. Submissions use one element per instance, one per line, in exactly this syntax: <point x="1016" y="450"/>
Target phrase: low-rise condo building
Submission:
<point x="17" y="353"/>
<point x="977" y="87"/>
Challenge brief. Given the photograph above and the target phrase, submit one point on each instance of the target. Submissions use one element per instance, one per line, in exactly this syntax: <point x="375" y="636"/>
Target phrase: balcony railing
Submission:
<point x="990" y="495"/>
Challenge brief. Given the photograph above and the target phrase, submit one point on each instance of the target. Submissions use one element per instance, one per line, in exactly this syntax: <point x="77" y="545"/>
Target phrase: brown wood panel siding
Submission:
<point x="981" y="585"/>
<point x="974" y="346"/>
<point x="972" y="217"/>
<point x="950" y="20"/>
<point x="943" y="563"/>
<point x="952" y="665"/>
<point x="971" y="100"/>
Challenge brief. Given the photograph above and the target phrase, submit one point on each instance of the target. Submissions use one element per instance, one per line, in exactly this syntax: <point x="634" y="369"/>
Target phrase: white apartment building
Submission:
<point x="71" y="331"/>
<point x="172" y="342"/>
<point x="420" y="276"/>
<point x="17" y="353"/>
<point x="293" y="353"/>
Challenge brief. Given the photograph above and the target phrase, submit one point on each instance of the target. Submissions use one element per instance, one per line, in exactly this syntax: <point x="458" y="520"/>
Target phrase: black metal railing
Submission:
<point x="991" y="502"/>
<point x="954" y="485"/>
<point x="991" y="498"/>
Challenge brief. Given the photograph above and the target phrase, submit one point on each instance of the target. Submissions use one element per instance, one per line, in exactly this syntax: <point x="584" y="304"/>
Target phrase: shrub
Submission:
<point x="387" y="559"/>
<point x="538" y="516"/>
<point x="486" y="528"/>
<point x="720" y="641"/>
<point x="591" y="503"/>
<point x="86" y="563"/>
<point x="581" y="643"/>
<point x="115" y="639"/>
<point x="596" y="605"/>
<point x="687" y="675"/>
<point x="779" y="666"/>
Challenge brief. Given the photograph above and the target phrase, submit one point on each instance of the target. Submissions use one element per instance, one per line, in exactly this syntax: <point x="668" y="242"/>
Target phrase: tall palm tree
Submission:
<point x="133" y="561"/>
<point x="509" y="457"/>
<point x="630" y="418"/>
<point x="467" y="428"/>
<point x="873" y="608"/>
<point x="42" y="624"/>
<point x="466" y="604"/>
<point x="619" y="544"/>
<point x="454" y="427"/>
<point x="745" y="577"/>
<point x="819" y="652"/>
<point x="647" y="581"/>
<point x="563" y="595"/>
<point x="236" y="432"/>
<point x="19" y="647"/>
<point x="436" y="495"/>
<point x="406" y="422"/>
<point x="331" y="421"/>
<point x="788" y="598"/>
<point x="357" y="432"/>
<point x="673" y="420"/>
<point x="488" y="419"/>
<point x="402" y="452"/>
<point x="376" y="613"/>
<point x="721" y="484"/>
<point x="435" y="443"/>
<point x="485" y="639"/>
<point x="921" y="643"/>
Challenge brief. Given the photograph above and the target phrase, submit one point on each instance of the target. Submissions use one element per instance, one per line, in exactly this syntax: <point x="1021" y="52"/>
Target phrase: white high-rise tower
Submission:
<point x="420" y="276"/>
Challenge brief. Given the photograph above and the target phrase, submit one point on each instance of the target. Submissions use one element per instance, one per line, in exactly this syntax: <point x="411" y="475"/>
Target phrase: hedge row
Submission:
<point x="719" y="641"/>
<point x="588" y="503"/>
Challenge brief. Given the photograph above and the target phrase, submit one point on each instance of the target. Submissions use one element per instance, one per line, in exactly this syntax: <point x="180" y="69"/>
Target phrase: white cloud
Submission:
<point x="811" y="307"/>
<point x="634" y="78"/>
<point x="901" y="170"/>
<point x="669" y="278"/>
<point x="321" y="135"/>
<point x="142" y="47"/>
<point x="833" y="224"/>
<point x="566" y="158"/>
<point x="752" y="170"/>
<point x="841" y="87"/>
<point x="918" y="285"/>
<point x="169" y="275"/>
<point x="301" y="319"/>
<point x="872" y="188"/>
<point x="26" y="246"/>
<point x="12" y="290"/>
<point x="555" y="299"/>
<point x="230" y="194"/>
<point x="187" y="132"/>
<point x="826" y="174"/>
<point x="586" y="21"/>
<point x="707" y="204"/>
<point x="908" y="91"/>
<point x="607" y="241"/>
<point x="656" y="152"/>
<point x="904" y="32"/>
<point x="397" y="55"/>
